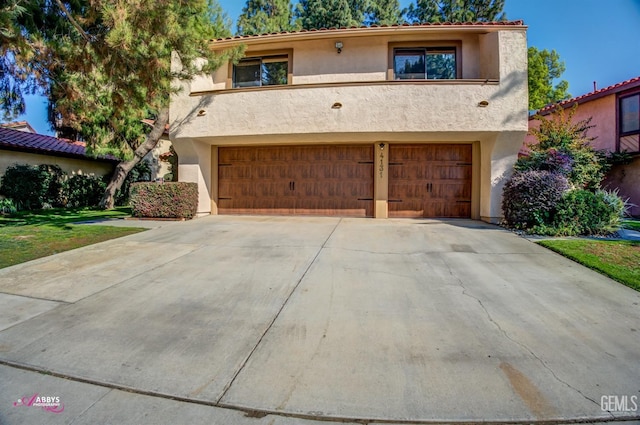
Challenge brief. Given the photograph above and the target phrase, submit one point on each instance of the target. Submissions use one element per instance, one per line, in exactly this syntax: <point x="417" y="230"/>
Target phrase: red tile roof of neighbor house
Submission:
<point x="616" y="88"/>
<point x="24" y="125"/>
<point x="368" y="27"/>
<point x="37" y="143"/>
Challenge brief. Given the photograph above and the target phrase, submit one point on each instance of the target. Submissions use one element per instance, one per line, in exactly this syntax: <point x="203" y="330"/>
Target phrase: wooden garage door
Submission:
<point x="306" y="180"/>
<point x="430" y="180"/>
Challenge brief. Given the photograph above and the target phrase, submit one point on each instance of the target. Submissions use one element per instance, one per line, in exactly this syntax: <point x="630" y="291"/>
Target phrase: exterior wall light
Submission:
<point x="339" y="46"/>
<point x="483" y="104"/>
<point x="381" y="146"/>
<point x="336" y="105"/>
<point x="202" y="112"/>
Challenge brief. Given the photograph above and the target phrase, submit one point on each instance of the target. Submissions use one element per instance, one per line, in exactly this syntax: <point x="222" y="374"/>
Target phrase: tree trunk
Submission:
<point x="122" y="169"/>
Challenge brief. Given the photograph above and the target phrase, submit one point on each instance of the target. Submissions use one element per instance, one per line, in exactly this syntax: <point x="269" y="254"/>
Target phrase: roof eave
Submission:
<point x="607" y="91"/>
<point x="360" y="32"/>
<point x="39" y="151"/>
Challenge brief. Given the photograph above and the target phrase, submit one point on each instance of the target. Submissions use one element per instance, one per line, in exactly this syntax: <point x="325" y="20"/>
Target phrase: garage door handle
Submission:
<point x="429" y="187"/>
<point x="292" y="185"/>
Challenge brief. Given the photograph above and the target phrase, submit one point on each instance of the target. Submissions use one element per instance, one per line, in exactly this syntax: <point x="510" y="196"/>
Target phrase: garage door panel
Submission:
<point x="430" y="180"/>
<point x="267" y="205"/>
<point x="319" y="180"/>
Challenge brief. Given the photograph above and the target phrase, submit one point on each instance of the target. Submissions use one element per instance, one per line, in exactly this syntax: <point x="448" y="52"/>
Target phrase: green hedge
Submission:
<point x="32" y="186"/>
<point x="164" y="200"/>
<point x="83" y="191"/>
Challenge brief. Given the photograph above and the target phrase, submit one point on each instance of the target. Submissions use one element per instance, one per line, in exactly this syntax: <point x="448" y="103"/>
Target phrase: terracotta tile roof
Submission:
<point x="19" y="124"/>
<point x="616" y="88"/>
<point x="152" y="122"/>
<point x="365" y="27"/>
<point x="37" y="143"/>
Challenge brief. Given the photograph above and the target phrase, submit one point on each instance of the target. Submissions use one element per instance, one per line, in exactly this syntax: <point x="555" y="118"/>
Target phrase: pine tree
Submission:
<point x="11" y="93"/>
<point x="422" y="11"/>
<point x="105" y="65"/>
<point x="384" y="12"/>
<point x="315" y="14"/>
<point x="456" y="11"/>
<point x="265" y="16"/>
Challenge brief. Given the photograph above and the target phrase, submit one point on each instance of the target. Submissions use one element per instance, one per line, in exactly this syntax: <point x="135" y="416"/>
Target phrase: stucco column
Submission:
<point x="381" y="179"/>
<point x="194" y="165"/>
<point x="498" y="157"/>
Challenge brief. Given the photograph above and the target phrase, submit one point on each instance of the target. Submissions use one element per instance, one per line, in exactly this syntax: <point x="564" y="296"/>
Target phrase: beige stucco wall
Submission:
<point x="363" y="58"/>
<point x="70" y="166"/>
<point x="158" y="168"/>
<point x="372" y="109"/>
<point x="195" y="166"/>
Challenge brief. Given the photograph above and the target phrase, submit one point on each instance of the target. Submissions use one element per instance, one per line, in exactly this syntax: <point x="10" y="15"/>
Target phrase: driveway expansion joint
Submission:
<point x="122" y="282"/>
<point x="286" y="301"/>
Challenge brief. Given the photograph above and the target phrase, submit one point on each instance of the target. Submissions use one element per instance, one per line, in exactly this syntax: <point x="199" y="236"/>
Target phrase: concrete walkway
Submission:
<point x="274" y="320"/>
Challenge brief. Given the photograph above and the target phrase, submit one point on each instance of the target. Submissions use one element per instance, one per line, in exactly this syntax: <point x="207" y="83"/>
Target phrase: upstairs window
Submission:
<point x="629" y="139"/>
<point x="425" y="63"/>
<point x="630" y="114"/>
<point x="261" y="71"/>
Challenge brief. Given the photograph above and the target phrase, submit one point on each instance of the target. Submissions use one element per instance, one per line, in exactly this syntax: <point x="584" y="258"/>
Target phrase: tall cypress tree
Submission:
<point x="265" y="16"/>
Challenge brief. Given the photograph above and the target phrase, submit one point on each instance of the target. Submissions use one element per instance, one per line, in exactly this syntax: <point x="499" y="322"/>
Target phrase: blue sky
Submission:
<point x="598" y="41"/>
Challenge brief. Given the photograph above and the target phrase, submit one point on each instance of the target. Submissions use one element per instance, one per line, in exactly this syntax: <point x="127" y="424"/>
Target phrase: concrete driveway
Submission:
<point x="289" y="319"/>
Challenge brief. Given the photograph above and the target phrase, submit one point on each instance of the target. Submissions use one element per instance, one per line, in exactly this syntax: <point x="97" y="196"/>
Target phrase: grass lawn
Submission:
<point x="620" y="260"/>
<point x="33" y="234"/>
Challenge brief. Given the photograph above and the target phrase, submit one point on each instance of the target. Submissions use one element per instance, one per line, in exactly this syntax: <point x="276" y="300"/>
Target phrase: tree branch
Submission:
<point x="73" y="21"/>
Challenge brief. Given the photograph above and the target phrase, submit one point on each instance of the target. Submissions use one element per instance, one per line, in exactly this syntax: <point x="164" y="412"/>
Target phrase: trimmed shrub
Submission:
<point x="530" y="197"/>
<point x="83" y="191"/>
<point x="33" y="186"/>
<point x="584" y="212"/>
<point x="164" y="200"/>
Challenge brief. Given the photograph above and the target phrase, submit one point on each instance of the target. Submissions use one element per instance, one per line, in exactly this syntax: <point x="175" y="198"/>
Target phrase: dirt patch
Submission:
<point x="624" y="255"/>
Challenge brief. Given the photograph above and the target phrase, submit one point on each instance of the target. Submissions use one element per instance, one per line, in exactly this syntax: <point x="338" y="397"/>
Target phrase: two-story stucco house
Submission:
<point x="391" y="121"/>
<point x="615" y="117"/>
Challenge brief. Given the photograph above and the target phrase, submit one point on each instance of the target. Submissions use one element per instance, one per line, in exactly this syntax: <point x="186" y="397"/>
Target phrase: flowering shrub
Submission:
<point x="556" y="189"/>
<point x="164" y="200"/>
<point x="530" y="197"/>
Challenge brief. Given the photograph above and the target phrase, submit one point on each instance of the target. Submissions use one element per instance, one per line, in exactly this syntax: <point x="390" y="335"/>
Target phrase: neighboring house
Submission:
<point x="18" y="146"/>
<point x="389" y="121"/>
<point x="615" y="113"/>
<point x="19" y="125"/>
